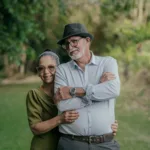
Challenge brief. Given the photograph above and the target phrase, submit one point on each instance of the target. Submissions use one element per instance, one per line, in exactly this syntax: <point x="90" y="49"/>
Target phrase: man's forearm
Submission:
<point x="71" y="104"/>
<point x="103" y="91"/>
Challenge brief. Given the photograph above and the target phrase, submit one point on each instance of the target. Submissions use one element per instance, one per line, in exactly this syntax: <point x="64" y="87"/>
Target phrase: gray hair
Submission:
<point x="48" y="52"/>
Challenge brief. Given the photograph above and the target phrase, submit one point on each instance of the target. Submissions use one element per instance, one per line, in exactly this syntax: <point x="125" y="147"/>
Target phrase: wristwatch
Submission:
<point x="73" y="91"/>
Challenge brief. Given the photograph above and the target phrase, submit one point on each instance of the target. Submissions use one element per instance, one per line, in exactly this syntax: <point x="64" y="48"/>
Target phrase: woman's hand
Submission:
<point x="62" y="94"/>
<point x="65" y="92"/>
<point x="69" y="116"/>
<point x="114" y="127"/>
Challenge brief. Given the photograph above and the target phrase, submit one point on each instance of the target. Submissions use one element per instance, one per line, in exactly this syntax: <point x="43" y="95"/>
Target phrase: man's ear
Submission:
<point x="88" y="39"/>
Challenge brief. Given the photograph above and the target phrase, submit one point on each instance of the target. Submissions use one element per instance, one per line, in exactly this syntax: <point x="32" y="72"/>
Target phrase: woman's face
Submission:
<point x="47" y="69"/>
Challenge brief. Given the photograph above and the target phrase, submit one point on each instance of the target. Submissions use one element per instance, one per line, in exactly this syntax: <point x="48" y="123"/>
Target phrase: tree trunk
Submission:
<point x="6" y="64"/>
<point x="23" y="60"/>
<point x="140" y="11"/>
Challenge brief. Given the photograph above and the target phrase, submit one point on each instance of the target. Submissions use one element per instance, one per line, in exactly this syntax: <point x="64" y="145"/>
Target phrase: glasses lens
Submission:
<point x="72" y="43"/>
<point x="51" y="68"/>
<point x="40" y="69"/>
<point x="63" y="46"/>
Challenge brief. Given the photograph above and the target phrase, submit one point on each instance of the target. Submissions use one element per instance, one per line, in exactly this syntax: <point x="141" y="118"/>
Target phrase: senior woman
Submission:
<point x="41" y="110"/>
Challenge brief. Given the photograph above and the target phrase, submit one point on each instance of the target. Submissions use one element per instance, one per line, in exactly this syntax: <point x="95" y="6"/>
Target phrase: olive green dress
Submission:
<point x="40" y="108"/>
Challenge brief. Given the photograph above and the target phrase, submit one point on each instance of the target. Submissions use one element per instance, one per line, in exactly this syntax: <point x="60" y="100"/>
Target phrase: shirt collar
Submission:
<point x="92" y="61"/>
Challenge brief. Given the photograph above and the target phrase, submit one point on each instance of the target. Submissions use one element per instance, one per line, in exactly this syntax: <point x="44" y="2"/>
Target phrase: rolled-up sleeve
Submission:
<point x="69" y="104"/>
<point x="106" y="90"/>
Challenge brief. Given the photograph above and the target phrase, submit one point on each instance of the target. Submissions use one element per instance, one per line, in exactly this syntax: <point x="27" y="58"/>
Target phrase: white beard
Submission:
<point x="77" y="56"/>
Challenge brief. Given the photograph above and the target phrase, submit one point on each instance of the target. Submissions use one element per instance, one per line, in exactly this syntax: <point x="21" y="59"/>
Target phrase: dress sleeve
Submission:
<point x="34" y="109"/>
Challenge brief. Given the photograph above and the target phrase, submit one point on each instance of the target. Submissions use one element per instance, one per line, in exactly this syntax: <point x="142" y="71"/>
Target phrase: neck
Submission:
<point x="84" y="60"/>
<point x="48" y="88"/>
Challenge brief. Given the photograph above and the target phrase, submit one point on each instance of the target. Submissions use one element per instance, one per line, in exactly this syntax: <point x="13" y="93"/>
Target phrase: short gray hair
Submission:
<point x="49" y="52"/>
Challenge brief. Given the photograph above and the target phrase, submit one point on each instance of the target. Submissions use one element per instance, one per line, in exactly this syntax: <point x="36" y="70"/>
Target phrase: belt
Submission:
<point x="90" y="139"/>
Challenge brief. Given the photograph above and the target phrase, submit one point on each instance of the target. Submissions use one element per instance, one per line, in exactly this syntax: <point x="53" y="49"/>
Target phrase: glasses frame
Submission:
<point x="73" y="43"/>
<point x="50" y="68"/>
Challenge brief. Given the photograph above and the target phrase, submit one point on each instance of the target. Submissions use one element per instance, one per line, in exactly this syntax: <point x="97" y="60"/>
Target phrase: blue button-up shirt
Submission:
<point x="96" y="108"/>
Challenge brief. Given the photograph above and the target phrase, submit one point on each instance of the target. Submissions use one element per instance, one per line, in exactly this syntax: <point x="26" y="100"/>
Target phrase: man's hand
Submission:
<point x="107" y="76"/>
<point x="114" y="127"/>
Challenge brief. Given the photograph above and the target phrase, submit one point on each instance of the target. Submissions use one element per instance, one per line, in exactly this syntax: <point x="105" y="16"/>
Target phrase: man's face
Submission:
<point x="76" y="47"/>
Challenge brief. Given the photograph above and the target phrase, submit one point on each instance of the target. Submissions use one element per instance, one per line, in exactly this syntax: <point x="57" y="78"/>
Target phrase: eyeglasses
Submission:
<point x="41" y="69"/>
<point x="72" y="43"/>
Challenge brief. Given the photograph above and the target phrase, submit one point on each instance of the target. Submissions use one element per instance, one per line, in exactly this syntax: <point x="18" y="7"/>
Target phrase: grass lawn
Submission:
<point x="14" y="130"/>
<point x="132" y="113"/>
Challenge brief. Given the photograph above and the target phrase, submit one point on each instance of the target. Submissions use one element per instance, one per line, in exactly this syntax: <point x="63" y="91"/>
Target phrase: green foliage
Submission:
<point x="53" y="22"/>
<point x="116" y="6"/>
<point x="141" y="33"/>
<point x="119" y="27"/>
<point x="122" y="35"/>
<point x="18" y="23"/>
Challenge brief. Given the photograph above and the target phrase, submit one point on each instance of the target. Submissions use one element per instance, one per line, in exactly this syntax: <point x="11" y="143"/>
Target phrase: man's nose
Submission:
<point x="70" y="46"/>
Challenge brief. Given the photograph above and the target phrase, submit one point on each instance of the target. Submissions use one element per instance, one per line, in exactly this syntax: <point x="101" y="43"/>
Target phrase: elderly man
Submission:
<point x="88" y="84"/>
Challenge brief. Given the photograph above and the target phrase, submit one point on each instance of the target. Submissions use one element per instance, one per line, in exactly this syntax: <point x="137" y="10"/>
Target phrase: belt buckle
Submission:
<point x="72" y="137"/>
<point x="90" y="139"/>
<point x="99" y="139"/>
<point x="102" y="138"/>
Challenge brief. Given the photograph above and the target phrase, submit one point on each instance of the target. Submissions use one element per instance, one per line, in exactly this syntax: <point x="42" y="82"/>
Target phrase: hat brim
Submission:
<point x="60" y="42"/>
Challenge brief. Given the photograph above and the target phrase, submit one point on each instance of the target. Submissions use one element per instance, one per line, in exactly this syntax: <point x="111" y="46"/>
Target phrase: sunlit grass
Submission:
<point x="133" y="115"/>
<point x="14" y="130"/>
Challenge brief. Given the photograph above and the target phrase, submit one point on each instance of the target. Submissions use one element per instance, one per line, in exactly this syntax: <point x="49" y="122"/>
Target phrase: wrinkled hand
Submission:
<point x="114" y="127"/>
<point x="107" y="76"/>
<point x="57" y="97"/>
<point x="69" y="116"/>
<point x="65" y="92"/>
<point x="62" y="94"/>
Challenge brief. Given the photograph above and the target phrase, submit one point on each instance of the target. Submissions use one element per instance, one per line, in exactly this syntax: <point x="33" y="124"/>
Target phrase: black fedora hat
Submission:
<point x="74" y="29"/>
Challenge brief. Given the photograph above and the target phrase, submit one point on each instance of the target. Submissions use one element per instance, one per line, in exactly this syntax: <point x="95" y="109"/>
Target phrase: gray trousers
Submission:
<point x="68" y="144"/>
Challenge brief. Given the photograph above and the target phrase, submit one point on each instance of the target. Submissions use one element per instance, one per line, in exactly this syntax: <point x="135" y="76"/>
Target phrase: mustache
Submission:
<point x="73" y="50"/>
